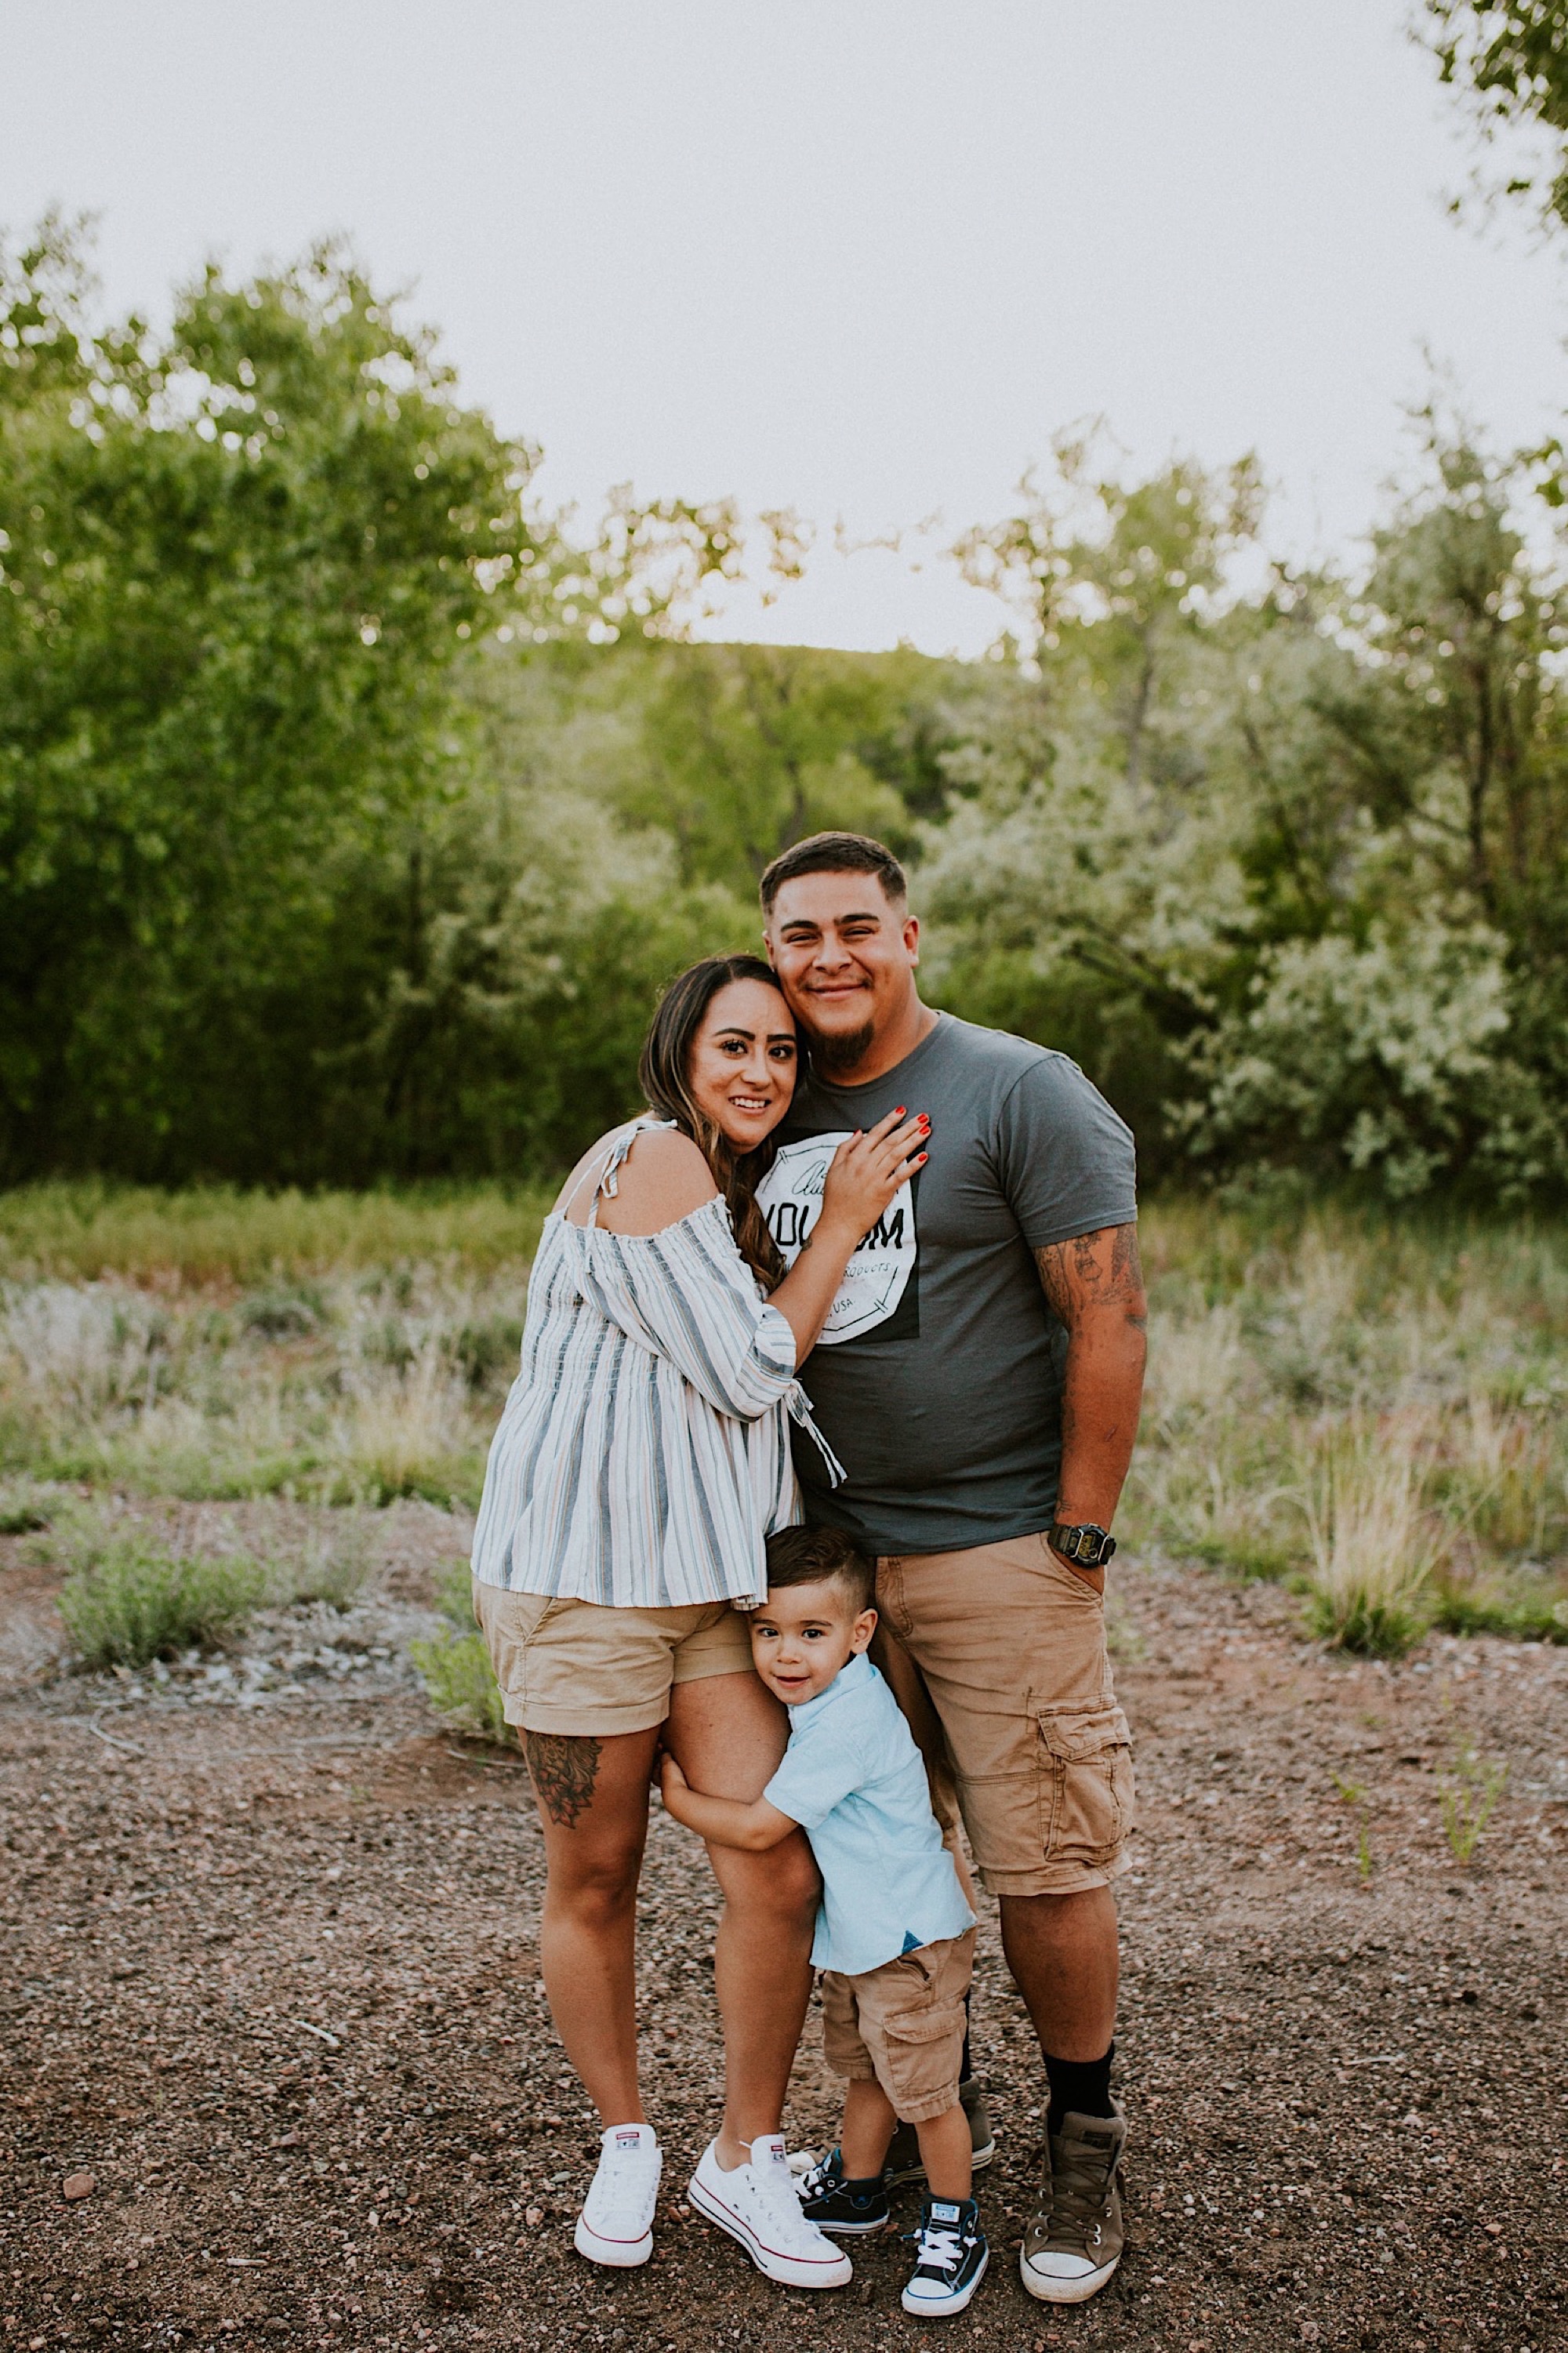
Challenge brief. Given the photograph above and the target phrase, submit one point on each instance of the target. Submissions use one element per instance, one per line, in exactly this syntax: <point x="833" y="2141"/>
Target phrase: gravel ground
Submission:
<point x="278" y="2068"/>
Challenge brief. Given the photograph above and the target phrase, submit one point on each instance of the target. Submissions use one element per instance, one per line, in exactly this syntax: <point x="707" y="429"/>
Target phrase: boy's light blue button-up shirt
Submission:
<point x="853" y="1780"/>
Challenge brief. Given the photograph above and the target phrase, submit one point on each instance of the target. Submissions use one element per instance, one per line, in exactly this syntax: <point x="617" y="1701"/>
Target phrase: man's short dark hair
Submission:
<point x="835" y="853"/>
<point x="807" y="1555"/>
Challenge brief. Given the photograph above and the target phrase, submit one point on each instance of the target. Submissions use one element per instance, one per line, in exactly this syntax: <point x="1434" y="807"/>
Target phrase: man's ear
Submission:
<point x="913" y="938"/>
<point x="865" y="1627"/>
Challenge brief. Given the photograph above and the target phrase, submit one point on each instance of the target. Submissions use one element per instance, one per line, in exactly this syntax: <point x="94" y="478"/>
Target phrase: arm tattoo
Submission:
<point x="564" y="1769"/>
<point x="1099" y="1269"/>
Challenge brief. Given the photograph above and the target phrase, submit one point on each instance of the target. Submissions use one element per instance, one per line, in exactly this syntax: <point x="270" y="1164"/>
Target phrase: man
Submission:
<point x="979" y="1376"/>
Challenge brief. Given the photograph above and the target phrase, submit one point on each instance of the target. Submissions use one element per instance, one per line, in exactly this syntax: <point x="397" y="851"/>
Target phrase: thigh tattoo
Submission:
<point x="564" y="1768"/>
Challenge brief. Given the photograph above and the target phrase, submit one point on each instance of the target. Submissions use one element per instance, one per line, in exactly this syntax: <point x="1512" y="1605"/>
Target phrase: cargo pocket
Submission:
<point x="1085" y="1783"/>
<point x="922" y="2053"/>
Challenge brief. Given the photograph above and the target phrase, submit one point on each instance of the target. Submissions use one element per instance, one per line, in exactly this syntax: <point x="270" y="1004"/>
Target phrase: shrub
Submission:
<point x="24" y="1505"/>
<point x="1377" y="1057"/>
<point x="408" y="1432"/>
<point x="334" y="1565"/>
<point x="460" y="1684"/>
<point x="130" y="1599"/>
<point x="456" y="1670"/>
<point x="1522" y="1610"/>
<point x="1468" y="1797"/>
<point x="1373" y="1553"/>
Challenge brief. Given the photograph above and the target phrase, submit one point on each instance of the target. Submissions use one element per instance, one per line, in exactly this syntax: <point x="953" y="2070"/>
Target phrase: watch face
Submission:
<point x="1087" y="1546"/>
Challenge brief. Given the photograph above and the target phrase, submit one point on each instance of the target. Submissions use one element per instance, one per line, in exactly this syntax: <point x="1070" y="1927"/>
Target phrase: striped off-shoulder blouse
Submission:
<point x="643" y="1452"/>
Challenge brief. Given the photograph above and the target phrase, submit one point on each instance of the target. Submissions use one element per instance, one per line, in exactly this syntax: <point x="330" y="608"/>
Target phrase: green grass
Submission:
<point x="1371" y="1411"/>
<point x="220" y="1236"/>
<point x="1469" y="1794"/>
<point x="361" y="1388"/>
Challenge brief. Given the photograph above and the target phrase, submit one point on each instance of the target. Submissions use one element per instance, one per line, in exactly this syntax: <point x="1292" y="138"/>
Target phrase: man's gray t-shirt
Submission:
<point x="938" y="1376"/>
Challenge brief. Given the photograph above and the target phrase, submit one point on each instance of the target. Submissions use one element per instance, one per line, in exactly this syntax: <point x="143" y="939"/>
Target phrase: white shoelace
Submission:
<point x="939" y="2249"/>
<point x="626" y="2187"/>
<point x="776" y="2194"/>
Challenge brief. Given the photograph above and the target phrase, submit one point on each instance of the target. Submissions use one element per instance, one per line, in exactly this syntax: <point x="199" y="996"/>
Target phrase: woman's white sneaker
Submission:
<point x="758" y="2205"/>
<point x="616" y="2226"/>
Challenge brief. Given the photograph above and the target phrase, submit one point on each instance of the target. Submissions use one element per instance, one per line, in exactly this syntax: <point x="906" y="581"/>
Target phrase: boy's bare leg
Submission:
<point x="868" y="2129"/>
<point x="592" y="1803"/>
<point x="726" y="1734"/>
<point x="870" y="2118"/>
<point x="946" y="2149"/>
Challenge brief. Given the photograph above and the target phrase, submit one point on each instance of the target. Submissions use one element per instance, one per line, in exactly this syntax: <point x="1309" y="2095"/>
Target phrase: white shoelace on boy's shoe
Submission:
<point x="950" y="2258"/>
<point x="616" y="2226"/>
<point x="758" y="2205"/>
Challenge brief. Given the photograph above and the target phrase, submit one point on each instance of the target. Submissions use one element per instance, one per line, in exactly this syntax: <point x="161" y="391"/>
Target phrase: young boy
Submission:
<point x="894" y="1936"/>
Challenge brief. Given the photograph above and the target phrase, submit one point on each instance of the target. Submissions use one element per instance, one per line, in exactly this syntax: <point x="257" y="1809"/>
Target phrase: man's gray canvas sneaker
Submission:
<point x="1074" y="2243"/>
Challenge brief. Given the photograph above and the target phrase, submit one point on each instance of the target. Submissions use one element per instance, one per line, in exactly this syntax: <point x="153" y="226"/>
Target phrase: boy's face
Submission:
<point x="803" y="1634"/>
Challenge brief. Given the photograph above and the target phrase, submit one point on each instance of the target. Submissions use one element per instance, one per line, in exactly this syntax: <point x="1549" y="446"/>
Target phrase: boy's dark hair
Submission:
<point x="835" y="853"/>
<point x="806" y="1556"/>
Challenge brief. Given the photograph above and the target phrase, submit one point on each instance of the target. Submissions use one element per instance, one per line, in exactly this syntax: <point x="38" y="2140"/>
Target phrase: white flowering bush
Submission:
<point x="1373" y="1059"/>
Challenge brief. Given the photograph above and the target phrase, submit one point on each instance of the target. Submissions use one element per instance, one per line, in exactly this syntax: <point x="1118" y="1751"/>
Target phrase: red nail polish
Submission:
<point x="900" y="1112"/>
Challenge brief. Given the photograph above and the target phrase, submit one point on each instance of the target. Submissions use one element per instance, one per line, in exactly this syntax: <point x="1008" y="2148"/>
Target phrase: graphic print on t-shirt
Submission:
<point x="880" y="1292"/>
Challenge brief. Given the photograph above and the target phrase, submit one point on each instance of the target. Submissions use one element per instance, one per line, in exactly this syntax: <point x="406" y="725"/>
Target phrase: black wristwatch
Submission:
<point x="1086" y="1547"/>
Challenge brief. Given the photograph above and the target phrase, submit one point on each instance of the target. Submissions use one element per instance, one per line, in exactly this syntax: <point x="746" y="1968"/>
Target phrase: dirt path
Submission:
<point x="271" y="1984"/>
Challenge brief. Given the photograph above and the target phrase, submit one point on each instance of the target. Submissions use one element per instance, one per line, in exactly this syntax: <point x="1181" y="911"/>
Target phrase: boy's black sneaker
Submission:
<point x="904" y="2162"/>
<point x="950" y="2259"/>
<point x="843" y="2211"/>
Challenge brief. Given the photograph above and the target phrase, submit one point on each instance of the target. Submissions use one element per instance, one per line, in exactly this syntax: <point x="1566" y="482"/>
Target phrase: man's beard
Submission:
<point x="839" y="1049"/>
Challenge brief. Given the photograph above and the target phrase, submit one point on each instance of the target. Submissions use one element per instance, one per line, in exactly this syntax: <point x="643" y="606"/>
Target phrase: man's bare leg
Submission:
<point x="1062" y="1951"/>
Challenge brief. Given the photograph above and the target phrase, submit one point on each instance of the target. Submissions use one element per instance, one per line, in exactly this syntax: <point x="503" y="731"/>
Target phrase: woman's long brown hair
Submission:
<point x="665" y="1077"/>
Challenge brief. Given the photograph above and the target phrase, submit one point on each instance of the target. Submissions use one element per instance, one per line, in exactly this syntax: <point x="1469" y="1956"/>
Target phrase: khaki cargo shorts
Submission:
<point x="586" y="1671"/>
<point x="996" y="1654"/>
<point x="902" y="2026"/>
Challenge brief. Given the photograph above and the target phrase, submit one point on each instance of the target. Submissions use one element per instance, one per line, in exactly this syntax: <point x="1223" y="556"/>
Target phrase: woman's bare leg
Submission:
<point x="592" y="1802"/>
<point x="726" y="1734"/>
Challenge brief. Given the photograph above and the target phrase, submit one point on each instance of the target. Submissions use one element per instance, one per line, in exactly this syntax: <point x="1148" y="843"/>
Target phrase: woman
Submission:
<point x="641" y="1461"/>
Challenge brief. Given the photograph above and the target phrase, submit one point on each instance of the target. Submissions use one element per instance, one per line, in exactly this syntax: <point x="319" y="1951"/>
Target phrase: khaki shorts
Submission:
<point x="998" y="1657"/>
<point x="902" y="2025"/>
<point x="586" y="1671"/>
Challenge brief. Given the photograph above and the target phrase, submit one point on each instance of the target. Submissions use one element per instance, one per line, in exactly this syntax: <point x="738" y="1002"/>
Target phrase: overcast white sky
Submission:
<point x="862" y="257"/>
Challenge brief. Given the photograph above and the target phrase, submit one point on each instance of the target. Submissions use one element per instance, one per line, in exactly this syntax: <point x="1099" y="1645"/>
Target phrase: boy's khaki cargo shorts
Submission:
<point x="998" y="1657"/>
<point x="902" y="2025"/>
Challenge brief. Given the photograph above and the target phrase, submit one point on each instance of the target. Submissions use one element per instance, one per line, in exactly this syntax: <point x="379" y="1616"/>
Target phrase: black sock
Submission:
<point x="871" y="2187"/>
<point x="1079" y="2087"/>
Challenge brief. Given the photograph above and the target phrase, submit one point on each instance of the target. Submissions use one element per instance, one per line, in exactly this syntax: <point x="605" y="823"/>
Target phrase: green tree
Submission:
<point x="748" y="747"/>
<point x="1286" y="872"/>
<point x="239" y="560"/>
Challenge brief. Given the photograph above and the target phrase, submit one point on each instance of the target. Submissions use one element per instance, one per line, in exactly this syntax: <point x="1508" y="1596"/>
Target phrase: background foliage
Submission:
<point x="353" y="808"/>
